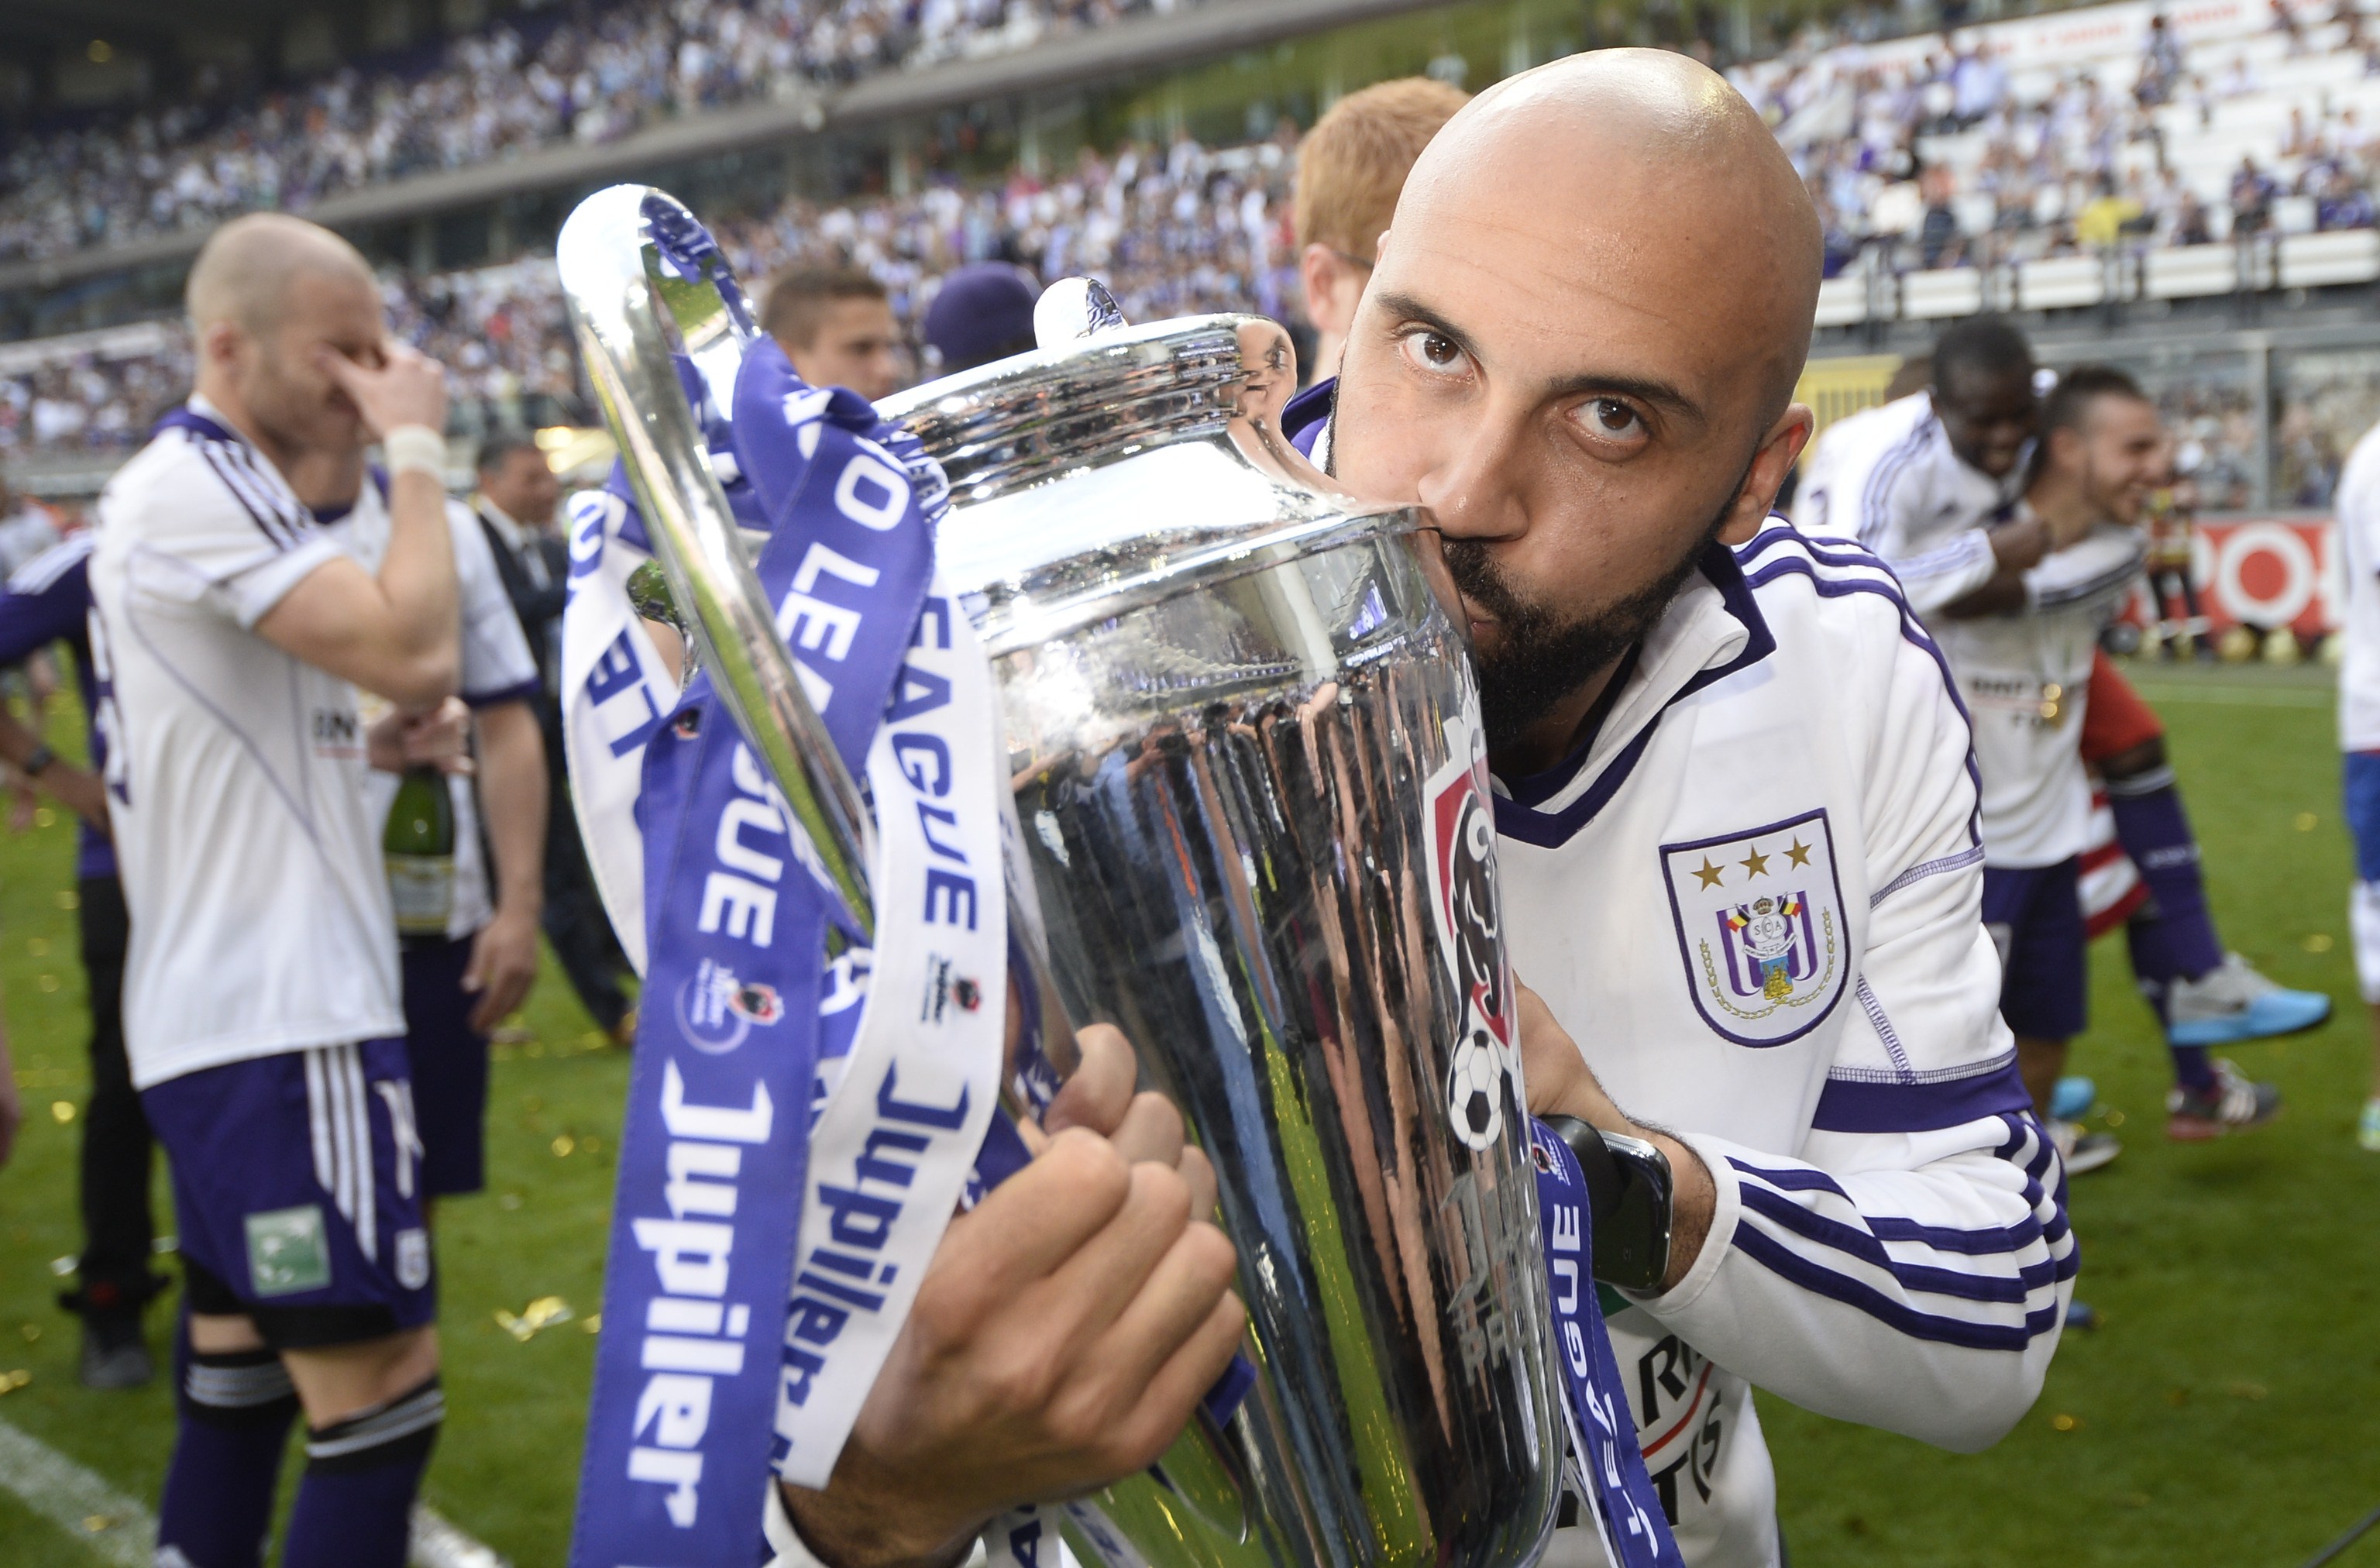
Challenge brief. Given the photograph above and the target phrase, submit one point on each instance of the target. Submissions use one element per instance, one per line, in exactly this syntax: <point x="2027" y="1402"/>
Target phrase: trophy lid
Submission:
<point x="1122" y="468"/>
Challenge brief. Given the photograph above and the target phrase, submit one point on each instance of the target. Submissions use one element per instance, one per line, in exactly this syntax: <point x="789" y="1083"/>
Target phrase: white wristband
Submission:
<point x="416" y="447"/>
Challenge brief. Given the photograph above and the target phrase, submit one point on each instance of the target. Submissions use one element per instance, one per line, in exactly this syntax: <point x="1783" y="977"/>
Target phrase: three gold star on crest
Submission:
<point x="1754" y="863"/>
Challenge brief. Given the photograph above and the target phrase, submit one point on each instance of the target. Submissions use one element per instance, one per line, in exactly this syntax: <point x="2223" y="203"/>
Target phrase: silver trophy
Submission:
<point x="1245" y="756"/>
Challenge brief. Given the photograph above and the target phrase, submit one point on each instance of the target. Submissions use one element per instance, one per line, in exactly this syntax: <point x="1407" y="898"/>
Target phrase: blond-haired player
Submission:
<point x="1351" y="167"/>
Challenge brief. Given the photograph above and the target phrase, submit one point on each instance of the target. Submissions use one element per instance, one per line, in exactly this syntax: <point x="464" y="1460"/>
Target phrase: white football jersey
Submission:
<point x="1887" y="478"/>
<point x="496" y="668"/>
<point x="2026" y="679"/>
<point x="2359" y="543"/>
<point x="1754" y="898"/>
<point x="252" y="865"/>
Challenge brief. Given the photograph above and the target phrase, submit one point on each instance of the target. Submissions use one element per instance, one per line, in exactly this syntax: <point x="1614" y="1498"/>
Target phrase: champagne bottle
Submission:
<point x="419" y="847"/>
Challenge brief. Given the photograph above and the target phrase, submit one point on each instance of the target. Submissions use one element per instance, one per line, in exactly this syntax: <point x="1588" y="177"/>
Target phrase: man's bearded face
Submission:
<point x="1542" y="655"/>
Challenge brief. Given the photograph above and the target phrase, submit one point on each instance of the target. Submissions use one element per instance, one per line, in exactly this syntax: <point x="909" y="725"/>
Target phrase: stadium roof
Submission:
<point x="149" y="26"/>
<point x="1198" y="33"/>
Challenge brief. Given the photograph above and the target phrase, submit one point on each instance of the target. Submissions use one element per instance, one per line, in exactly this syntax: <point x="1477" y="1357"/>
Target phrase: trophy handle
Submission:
<point x="640" y="270"/>
<point x="626" y="255"/>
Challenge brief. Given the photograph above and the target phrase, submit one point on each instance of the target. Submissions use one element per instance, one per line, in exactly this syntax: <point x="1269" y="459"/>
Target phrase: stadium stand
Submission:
<point x="2097" y="156"/>
<point x="2065" y="164"/>
<point x="1175" y="231"/>
<point x="493" y="93"/>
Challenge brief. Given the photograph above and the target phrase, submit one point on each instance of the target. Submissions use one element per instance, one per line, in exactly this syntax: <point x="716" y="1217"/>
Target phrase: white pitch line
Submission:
<point x="116" y="1527"/>
<point x="438" y="1543"/>
<point x="119" y="1530"/>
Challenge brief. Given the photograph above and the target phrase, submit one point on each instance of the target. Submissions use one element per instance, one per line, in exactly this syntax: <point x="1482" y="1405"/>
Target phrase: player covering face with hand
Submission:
<point x="231" y="634"/>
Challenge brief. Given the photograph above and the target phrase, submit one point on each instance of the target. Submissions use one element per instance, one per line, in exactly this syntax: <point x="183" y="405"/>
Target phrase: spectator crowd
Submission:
<point x="1932" y="152"/>
<point x="1947" y="154"/>
<point x="1175" y="231"/>
<point x="590" y="76"/>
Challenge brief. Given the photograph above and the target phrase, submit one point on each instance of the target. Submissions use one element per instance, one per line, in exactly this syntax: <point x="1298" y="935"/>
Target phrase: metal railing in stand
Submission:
<point x="1878" y="289"/>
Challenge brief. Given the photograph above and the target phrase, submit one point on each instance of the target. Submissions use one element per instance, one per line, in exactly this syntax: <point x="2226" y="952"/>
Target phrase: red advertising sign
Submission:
<point x="2261" y="572"/>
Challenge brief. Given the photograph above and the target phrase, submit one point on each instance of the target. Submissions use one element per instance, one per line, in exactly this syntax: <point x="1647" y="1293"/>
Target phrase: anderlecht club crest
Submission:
<point x="1760" y="928"/>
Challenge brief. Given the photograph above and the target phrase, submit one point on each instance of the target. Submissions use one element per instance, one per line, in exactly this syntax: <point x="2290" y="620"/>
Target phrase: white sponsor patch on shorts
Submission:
<point x="413" y="1257"/>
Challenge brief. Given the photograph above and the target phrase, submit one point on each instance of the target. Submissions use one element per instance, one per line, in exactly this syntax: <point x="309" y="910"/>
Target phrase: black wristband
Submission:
<point x="1629" y="1193"/>
<point x="41" y="758"/>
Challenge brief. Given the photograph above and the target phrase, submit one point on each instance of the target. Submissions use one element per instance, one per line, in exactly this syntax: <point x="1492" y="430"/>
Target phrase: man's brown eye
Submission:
<point x="1611" y="417"/>
<point x="1439" y="350"/>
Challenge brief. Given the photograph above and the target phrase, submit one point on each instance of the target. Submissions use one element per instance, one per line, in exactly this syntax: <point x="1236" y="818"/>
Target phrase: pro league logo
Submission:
<point x="1484" y="1071"/>
<point x="715" y="1010"/>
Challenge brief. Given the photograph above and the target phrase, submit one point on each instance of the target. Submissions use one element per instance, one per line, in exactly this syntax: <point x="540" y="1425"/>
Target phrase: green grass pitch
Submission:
<point x="2223" y="1414"/>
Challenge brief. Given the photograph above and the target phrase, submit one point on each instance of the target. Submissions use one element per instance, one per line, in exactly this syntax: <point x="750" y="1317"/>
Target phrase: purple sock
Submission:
<point x="236" y="1411"/>
<point x="355" y="1506"/>
<point x="2174" y="937"/>
<point x="2192" y="1068"/>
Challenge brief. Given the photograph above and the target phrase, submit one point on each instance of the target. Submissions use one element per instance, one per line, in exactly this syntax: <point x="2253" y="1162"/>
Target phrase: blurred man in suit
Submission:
<point x="515" y="505"/>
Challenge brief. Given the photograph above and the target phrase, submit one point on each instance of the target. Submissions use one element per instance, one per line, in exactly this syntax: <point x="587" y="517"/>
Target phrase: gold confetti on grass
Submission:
<point x="542" y="1313"/>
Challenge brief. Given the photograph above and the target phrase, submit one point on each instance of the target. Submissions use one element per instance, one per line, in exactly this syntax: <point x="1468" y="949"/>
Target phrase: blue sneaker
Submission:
<point x="2233" y="1002"/>
<point x="2073" y="1099"/>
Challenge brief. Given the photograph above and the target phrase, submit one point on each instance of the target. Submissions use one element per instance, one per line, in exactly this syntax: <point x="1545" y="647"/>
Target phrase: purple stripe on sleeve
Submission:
<point x="42" y="573"/>
<point x="1850" y="1105"/>
<point x="1989" y="1238"/>
<point x="275" y="529"/>
<point x="272" y="487"/>
<point x="1885" y="475"/>
<point x="1943" y="562"/>
<point x="1920" y="1278"/>
<point x="1787" y="1264"/>
<point x="1945" y="1238"/>
<point x="1911" y="631"/>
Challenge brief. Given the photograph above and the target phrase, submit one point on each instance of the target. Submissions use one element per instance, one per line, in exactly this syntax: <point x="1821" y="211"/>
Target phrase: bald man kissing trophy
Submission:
<point x="1734" y="797"/>
<point x="1244" y="821"/>
<point x="1731" y="804"/>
